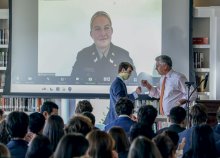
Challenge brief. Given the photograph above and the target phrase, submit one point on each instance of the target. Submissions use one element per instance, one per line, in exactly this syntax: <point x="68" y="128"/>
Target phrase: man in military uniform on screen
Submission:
<point x="98" y="63"/>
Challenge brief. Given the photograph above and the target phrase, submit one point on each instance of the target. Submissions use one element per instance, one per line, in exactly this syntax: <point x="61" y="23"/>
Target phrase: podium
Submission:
<point x="212" y="107"/>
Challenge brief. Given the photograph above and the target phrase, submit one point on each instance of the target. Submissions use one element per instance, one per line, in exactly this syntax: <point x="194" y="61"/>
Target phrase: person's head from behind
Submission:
<point x="54" y="129"/>
<point x="173" y="136"/>
<point x="165" y="146"/>
<point x="49" y="108"/>
<point x="163" y="64"/>
<point x="198" y="114"/>
<point x="121" y="140"/>
<point x="79" y="124"/>
<point x="178" y="115"/>
<point x="83" y="106"/>
<point x="143" y="147"/>
<point x="4" y="152"/>
<point x="203" y="141"/>
<point x="74" y="145"/>
<point x="40" y="147"/>
<point x="90" y="116"/>
<point x="36" y="123"/>
<point x="101" y="30"/>
<point x="124" y="70"/>
<point x="17" y="124"/>
<point x="101" y="144"/>
<point x="140" y="129"/>
<point x="147" y="114"/>
<point x="124" y="106"/>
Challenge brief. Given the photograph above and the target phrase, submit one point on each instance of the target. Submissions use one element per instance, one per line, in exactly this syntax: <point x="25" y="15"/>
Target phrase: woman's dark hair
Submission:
<point x="101" y="144"/>
<point x="121" y="140"/>
<point x="54" y="129"/>
<point x="71" y="145"/>
<point x="40" y="147"/>
<point x="203" y="142"/>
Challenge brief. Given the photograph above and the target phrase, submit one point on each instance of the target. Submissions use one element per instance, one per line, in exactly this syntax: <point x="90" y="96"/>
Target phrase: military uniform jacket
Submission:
<point x="89" y="68"/>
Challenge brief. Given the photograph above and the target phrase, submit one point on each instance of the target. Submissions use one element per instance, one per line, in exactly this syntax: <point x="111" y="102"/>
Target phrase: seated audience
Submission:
<point x="143" y="147"/>
<point x="17" y="125"/>
<point x="54" y="130"/>
<point x="101" y="145"/>
<point x="198" y="116"/>
<point x="124" y="109"/>
<point x="177" y="118"/>
<point x="203" y="143"/>
<point x="121" y="141"/>
<point x="71" y="145"/>
<point x="49" y="108"/>
<point x="39" y="147"/>
<point x="83" y="106"/>
<point x="79" y="124"/>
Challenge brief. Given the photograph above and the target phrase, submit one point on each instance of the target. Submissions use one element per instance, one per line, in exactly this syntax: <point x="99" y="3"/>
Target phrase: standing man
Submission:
<point x="118" y="89"/>
<point x="99" y="62"/>
<point x="172" y="90"/>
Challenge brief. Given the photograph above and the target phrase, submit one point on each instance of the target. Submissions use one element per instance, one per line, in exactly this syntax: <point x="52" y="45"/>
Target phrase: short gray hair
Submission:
<point x="99" y="13"/>
<point x="164" y="59"/>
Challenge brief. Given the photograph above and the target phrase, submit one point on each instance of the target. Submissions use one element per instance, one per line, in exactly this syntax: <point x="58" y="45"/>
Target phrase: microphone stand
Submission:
<point x="188" y="84"/>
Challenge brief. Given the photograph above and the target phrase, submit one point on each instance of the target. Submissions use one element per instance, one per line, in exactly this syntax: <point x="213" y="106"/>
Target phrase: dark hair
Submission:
<point x="143" y="147"/>
<point x="147" y="114"/>
<point x="90" y="116"/>
<point x="124" y="65"/>
<point x="140" y="129"/>
<point x="173" y="136"/>
<point x="54" y="129"/>
<point x="17" y="124"/>
<point x="203" y="142"/>
<point x="48" y="106"/>
<point x="4" y="134"/>
<point x="79" y="124"/>
<point x="164" y="59"/>
<point x="177" y="114"/>
<point x="36" y="122"/>
<point x="101" y="144"/>
<point x="121" y="140"/>
<point x="40" y="147"/>
<point x="83" y="106"/>
<point x="71" y="145"/>
<point x="198" y="114"/>
<point x="165" y="145"/>
<point x="1" y="112"/>
<point x="124" y="106"/>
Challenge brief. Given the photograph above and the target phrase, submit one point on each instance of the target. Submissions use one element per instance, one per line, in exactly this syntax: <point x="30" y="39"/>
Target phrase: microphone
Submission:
<point x="206" y="80"/>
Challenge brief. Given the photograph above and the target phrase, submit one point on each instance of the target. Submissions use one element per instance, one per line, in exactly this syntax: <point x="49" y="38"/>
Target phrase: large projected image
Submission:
<point x="73" y="54"/>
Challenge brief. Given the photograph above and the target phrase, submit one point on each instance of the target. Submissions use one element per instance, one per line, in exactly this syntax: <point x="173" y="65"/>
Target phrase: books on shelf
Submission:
<point x="199" y="59"/>
<point x="4" y="35"/>
<point x="3" y="58"/>
<point x="21" y="104"/>
<point x="200" y="40"/>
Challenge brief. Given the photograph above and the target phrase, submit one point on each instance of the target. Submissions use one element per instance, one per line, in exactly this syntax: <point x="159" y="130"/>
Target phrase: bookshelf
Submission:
<point x="205" y="49"/>
<point x="4" y="35"/>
